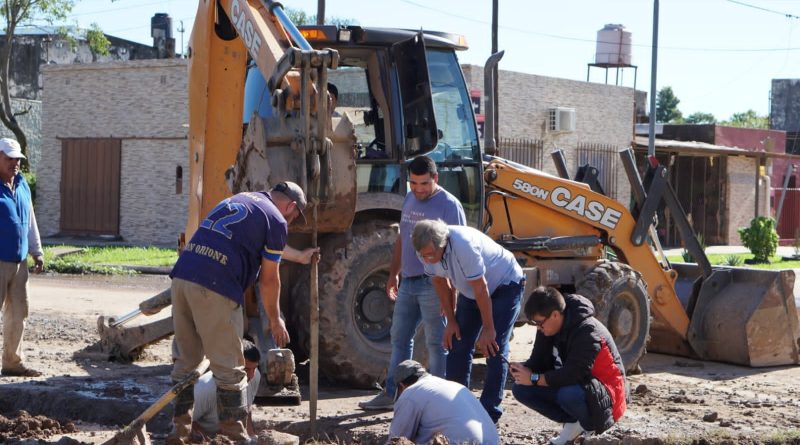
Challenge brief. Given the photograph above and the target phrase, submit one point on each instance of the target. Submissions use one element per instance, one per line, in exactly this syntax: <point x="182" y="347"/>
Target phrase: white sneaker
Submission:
<point x="380" y="402"/>
<point x="570" y="432"/>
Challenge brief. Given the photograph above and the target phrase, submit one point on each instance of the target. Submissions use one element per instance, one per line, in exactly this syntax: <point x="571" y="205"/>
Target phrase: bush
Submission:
<point x="761" y="238"/>
<point x="733" y="260"/>
<point x="687" y="257"/>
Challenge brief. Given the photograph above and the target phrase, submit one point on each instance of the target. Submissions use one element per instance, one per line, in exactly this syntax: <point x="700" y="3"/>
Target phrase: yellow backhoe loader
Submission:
<point x="402" y="94"/>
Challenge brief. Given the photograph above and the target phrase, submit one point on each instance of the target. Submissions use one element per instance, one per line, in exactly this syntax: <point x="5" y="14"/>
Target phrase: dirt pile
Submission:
<point x="25" y="426"/>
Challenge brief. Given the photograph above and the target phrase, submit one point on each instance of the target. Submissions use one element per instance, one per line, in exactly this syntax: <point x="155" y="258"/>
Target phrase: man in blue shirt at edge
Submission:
<point x="19" y="235"/>
<point x="416" y="301"/>
<point x="489" y="282"/>
<point x="244" y="236"/>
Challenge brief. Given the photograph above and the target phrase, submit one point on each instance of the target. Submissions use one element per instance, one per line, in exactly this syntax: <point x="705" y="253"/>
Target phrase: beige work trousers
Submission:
<point x="207" y="324"/>
<point x="14" y="301"/>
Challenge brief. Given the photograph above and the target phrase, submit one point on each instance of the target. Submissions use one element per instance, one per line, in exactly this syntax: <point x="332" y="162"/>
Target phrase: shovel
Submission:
<point x="134" y="433"/>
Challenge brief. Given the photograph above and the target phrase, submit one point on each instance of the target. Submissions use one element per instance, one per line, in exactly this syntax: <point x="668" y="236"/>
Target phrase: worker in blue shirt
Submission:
<point x="19" y="236"/>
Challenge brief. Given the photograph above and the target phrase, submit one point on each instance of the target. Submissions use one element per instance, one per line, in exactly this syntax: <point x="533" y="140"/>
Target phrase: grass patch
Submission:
<point x="724" y="437"/>
<point x="107" y="260"/>
<point x="724" y="259"/>
<point x="783" y="437"/>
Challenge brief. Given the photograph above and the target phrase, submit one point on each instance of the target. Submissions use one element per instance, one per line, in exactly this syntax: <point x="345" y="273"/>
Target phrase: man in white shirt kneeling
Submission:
<point x="426" y="405"/>
<point x="205" y="417"/>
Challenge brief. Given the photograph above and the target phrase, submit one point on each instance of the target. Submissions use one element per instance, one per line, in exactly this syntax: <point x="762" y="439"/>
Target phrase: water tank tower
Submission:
<point x="613" y="46"/>
<point x="613" y="50"/>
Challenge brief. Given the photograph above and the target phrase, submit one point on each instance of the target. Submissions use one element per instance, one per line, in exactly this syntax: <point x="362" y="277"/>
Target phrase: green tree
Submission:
<point x="748" y="119"/>
<point x="16" y="12"/>
<point x="300" y="17"/>
<point x="701" y="118"/>
<point x="667" y="107"/>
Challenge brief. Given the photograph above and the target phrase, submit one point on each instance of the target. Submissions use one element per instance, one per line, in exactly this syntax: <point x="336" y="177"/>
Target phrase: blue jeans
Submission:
<point x="506" y="301"/>
<point x="416" y="302"/>
<point x="566" y="404"/>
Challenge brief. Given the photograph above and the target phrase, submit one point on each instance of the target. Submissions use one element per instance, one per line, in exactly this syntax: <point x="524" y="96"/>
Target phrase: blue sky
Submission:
<point x="719" y="56"/>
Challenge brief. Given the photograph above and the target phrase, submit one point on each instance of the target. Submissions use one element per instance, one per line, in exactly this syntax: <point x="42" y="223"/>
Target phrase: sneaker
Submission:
<point x="20" y="372"/>
<point x="570" y="432"/>
<point x="380" y="402"/>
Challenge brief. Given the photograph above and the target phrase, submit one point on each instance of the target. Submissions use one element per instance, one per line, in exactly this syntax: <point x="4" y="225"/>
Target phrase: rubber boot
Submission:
<point x="232" y="410"/>
<point x="182" y="418"/>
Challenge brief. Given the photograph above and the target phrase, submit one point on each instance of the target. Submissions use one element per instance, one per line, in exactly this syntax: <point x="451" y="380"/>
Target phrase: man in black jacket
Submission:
<point x="575" y="374"/>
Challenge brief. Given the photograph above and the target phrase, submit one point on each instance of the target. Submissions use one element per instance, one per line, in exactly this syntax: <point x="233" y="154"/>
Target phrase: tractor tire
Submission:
<point x="355" y="315"/>
<point x="621" y="303"/>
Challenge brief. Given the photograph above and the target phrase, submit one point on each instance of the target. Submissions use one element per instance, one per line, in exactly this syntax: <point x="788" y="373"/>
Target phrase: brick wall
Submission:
<point x="604" y="114"/>
<point x="143" y="103"/>
<point x="741" y="195"/>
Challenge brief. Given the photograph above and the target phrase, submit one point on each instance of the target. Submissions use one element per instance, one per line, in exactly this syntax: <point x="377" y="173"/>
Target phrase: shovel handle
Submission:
<point x="166" y="398"/>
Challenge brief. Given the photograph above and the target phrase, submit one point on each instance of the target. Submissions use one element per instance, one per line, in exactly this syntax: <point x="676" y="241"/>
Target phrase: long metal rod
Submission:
<point x="651" y="142"/>
<point x="116" y="321"/>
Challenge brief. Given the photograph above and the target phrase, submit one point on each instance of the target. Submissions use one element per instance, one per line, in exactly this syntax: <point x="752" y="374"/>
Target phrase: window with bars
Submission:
<point x="604" y="158"/>
<point x="523" y="151"/>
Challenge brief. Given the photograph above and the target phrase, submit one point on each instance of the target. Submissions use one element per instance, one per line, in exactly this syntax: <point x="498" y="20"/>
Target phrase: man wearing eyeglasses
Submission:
<point x="244" y="236"/>
<point x="489" y="283"/>
<point x="575" y="374"/>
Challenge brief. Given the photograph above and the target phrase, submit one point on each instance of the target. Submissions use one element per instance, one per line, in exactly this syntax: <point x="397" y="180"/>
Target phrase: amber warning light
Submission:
<point x="313" y="34"/>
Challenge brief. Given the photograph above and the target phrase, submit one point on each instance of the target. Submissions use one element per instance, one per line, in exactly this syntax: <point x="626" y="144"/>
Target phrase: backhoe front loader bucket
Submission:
<point x="126" y="343"/>
<point x="740" y="315"/>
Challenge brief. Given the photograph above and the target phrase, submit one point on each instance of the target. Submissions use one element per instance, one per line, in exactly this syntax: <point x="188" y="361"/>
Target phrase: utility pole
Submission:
<point x="651" y="141"/>
<point x="495" y="91"/>
<point x="320" y="12"/>
<point x="181" y="30"/>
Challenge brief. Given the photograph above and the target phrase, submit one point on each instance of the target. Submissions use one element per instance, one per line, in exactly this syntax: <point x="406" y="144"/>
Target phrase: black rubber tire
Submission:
<point x="352" y="350"/>
<point x="621" y="303"/>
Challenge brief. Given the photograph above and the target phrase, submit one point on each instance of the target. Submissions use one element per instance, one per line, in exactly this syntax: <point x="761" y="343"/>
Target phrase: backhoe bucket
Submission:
<point x="740" y="315"/>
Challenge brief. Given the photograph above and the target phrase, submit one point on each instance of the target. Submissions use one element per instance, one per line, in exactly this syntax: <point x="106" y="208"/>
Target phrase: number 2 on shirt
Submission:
<point x="223" y="215"/>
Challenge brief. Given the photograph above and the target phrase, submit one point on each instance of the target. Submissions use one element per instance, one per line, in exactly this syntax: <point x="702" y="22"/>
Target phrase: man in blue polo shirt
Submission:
<point x="416" y="302"/>
<point x="241" y="235"/>
<point x="489" y="282"/>
<point x="19" y="236"/>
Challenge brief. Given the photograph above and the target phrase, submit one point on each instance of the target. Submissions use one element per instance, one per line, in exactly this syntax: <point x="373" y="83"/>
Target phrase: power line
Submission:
<point x="785" y="14"/>
<point x="578" y="39"/>
<point x="103" y="11"/>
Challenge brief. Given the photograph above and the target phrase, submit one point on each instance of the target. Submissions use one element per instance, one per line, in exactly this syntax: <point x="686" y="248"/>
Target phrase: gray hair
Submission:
<point x="429" y="231"/>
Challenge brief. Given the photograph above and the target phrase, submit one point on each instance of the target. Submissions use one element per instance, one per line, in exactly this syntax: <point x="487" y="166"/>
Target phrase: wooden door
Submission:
<point x="90" y="179"/>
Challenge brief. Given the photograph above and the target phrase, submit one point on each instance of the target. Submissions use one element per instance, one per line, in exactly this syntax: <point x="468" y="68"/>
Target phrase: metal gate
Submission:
<point x="789" y="222"/>
<point x="605" y="158"/>
<point x="701" y="185"/>
<point x="523" y="151"/>
<point x="90" y="186"/>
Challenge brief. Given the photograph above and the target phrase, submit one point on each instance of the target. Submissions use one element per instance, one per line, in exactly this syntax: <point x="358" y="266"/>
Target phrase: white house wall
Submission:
<point x="604" y="114"/>
<point x="143" y="103"/>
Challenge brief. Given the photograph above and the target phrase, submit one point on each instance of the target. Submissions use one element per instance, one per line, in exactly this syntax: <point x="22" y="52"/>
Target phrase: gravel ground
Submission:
<point x="674" y="400"/>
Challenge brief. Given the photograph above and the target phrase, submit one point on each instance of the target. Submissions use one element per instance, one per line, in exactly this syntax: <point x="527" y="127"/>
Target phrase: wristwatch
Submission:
<point x="534" y="378"/>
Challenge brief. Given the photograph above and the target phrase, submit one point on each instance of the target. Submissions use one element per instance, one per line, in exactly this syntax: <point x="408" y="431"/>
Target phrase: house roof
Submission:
<point x="705" y="149"/>
<point x="40" y="30"/>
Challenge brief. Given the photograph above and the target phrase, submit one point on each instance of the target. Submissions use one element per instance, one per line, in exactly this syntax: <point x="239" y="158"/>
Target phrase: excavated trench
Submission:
<point x="87" y="399"/>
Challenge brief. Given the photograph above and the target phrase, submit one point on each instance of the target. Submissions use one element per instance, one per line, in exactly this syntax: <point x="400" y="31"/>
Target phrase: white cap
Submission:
<point x="11" y="148"/>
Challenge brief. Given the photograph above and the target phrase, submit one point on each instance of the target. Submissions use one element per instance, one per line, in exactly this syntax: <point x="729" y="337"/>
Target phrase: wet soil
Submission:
<point x="675" y="400"/>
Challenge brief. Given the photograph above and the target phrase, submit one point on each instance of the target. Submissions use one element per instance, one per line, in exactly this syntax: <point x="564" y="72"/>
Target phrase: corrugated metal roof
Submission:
<point x="705" y="149"/>
<point x="36" y="30"/>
